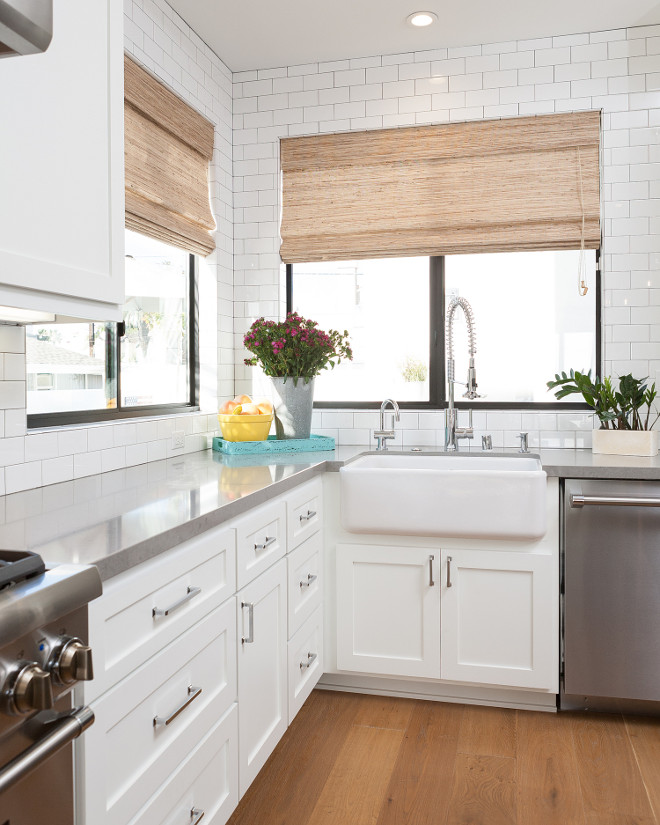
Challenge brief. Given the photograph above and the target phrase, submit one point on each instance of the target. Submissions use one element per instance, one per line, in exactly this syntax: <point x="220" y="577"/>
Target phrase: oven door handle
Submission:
<point x="64" y="731"/>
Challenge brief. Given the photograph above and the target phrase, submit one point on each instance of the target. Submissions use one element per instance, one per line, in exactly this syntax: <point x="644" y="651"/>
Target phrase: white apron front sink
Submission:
<point x="464" y="496"/>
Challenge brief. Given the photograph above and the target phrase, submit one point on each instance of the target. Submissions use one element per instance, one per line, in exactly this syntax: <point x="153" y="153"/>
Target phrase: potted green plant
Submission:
<point x="625" y="411"/>
<point x="293" y="352"/>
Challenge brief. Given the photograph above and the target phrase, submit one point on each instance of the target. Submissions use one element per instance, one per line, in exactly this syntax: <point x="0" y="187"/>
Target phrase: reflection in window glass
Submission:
<point x="74" y="367"/>
<point x="66" y="367"/>
<point x="384" y="305"/>
<point x="530" y="320"/>
<point x="155" y="347"/>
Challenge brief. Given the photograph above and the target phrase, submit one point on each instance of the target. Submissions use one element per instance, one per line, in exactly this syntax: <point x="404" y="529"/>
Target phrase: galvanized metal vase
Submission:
<point x="293" y="407"/>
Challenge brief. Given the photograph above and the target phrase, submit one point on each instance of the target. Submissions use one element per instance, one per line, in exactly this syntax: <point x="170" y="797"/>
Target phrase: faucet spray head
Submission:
<point x="471" y="384"/>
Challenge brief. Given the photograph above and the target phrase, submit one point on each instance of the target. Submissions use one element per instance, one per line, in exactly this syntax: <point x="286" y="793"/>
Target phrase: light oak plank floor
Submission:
<point x="349" y="759"/>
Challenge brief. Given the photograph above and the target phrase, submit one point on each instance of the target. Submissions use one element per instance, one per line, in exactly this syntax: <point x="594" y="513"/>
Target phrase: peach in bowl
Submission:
<point x="243" y="420"/>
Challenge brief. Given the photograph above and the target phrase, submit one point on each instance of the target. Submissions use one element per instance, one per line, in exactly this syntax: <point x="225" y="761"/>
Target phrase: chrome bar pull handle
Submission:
<point x="449" y="571"/>
<point x="196" y="815"/>
<point x="311" y="577"/>
<point x="613" y="501"/>
<point x="247" y="640"/>
<point x="191" y="592"/>
<point x="163" y="721"/>
<point x="431" y="582"/>
<point x="308" y="515"/>
<point x="310" y="660"/>
<point x="266" y="543"/>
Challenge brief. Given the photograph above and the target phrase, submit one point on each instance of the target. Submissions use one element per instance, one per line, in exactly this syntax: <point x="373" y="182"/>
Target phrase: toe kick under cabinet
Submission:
<point x="203" y="656"/>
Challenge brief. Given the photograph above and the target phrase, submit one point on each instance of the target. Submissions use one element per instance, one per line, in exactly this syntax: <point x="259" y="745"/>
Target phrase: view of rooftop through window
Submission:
<point x="76" y="367"/>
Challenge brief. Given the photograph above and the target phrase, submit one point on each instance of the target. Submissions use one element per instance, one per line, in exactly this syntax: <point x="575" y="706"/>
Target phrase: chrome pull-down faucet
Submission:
<point x="382" y="435"/>
<point x="452" y="432"/>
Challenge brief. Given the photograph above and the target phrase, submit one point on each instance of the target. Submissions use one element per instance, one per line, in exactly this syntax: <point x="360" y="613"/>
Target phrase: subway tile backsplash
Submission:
<point x="561" y="429"/>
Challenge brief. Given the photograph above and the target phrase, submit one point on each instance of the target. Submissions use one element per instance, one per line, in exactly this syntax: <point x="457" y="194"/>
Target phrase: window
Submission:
<point x="85" y="372"/>
<point x="530" y="323"/>
<point x="388" y="325"/>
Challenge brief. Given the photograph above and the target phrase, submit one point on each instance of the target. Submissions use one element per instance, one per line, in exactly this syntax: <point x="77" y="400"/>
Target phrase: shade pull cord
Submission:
<point x="582" y="273"/>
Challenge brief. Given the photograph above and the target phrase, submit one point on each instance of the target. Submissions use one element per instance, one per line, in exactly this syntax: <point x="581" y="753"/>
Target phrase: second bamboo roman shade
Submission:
<point x="483" y="186"/>
<point x="168" y="146"/>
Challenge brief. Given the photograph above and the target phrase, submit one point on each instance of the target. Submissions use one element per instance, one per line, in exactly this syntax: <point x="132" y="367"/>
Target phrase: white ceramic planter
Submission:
<point x="625" y="442"/>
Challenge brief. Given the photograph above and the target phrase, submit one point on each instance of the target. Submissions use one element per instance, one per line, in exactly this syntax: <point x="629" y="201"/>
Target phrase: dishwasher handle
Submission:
<point x="613" y="501"/>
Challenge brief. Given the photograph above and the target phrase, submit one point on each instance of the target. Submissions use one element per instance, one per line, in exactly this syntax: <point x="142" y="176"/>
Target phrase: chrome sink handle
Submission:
<point x="382" y="435"/>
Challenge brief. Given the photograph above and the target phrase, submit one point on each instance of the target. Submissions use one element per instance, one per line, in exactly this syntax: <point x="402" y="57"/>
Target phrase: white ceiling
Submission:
<point x="261" y="34"/>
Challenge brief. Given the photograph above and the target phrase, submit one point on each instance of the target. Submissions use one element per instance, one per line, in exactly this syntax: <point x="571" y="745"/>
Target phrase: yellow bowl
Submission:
<point x="245" y="427"/>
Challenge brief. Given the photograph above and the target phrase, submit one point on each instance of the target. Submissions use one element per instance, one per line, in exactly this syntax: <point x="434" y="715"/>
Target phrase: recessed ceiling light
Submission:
<point x="421" y="18"/>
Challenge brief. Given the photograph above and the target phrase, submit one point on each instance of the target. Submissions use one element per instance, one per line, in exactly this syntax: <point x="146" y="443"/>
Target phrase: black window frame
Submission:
<point x="60" y="419"/>
<point x="437" y="376"/>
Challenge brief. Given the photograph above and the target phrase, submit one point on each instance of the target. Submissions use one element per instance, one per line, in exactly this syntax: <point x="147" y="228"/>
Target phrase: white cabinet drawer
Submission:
<point x="152" y="720"/>
<point x="305" y="661"/>
<point x="180" y="586"/>
<point x="304" y="512"/>
<point x="260" y="540"/>
<point x="209" y="777"/>
<point x="305" y="582"/>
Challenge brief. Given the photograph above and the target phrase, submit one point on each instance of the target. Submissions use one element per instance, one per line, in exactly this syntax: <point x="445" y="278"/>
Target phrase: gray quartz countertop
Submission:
<point x="119" y="519"/>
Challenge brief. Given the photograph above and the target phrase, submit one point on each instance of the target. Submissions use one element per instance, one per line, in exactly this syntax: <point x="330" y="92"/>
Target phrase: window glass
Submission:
<point x="384" y="305"/>
<point x="155" y="347"/>
<point x="530" y="323"/>
<point x="79" y="368"/>
<point x="530" y="320"/>
<point x="66" y="367"/>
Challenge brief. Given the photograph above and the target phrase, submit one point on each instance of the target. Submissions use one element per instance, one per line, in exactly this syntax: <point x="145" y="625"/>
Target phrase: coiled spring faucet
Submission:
<point x="452" y="432"/>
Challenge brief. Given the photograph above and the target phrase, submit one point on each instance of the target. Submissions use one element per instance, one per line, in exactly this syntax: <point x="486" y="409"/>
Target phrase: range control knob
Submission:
<point x="31" y="690"/>
<point x="73" y="663"/>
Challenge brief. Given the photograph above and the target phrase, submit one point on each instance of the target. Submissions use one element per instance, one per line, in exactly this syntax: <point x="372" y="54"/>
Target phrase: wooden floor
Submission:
<point x="349" y="759"/>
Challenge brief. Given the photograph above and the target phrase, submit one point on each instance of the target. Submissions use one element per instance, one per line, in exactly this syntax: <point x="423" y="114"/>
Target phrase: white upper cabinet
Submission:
<point x="62" y="168"/>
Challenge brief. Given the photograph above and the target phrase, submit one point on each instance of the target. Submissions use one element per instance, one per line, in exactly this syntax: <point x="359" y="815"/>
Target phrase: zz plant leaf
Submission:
<point x="617" y="408"/>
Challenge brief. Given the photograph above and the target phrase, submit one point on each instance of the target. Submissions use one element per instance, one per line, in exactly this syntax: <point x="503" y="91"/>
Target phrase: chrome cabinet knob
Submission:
<point x="73" y="663"/>
<point x="32" y="690"/>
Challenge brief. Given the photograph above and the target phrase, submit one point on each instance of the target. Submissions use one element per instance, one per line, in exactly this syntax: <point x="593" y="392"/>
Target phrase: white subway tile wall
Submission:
<point x="616" y="71"/>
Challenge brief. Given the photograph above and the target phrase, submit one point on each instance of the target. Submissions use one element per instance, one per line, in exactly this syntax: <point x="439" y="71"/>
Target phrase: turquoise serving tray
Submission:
<point x="272" y="444"/>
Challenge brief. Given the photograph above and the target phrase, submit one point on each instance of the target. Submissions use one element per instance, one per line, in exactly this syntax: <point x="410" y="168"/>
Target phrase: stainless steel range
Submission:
<point x="43" y="654"/>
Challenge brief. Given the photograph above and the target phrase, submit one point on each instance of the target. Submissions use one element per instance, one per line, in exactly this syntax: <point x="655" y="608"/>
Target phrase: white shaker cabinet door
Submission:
<point x="388" y="610"/>
<point x="62" y="170"/>
<point x="499" y="618"/>
<point x="262" y="670"/>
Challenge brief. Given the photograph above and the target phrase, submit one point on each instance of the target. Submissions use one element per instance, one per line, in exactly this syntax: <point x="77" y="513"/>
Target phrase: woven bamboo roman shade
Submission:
<point x="483" y="186"/>
<point x="168" y="146"/>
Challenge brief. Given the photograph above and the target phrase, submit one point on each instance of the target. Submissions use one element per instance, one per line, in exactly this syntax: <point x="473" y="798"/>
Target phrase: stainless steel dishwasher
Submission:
<point x="611" y="596"/>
